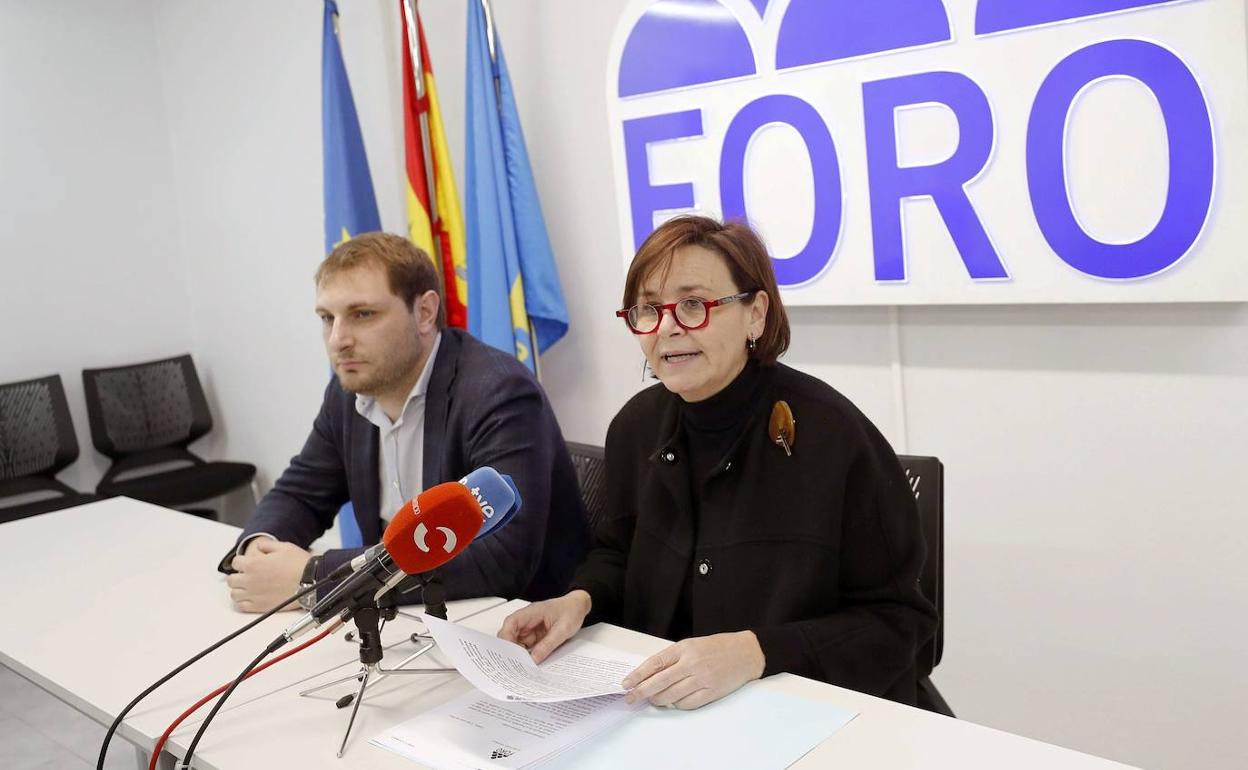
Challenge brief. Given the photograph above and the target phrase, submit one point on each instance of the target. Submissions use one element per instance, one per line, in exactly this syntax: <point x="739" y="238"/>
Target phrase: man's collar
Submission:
<point x="422" y="383"/>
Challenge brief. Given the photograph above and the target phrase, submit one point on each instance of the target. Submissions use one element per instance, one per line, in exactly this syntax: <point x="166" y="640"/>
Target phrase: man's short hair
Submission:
<point x="409" y="270"/>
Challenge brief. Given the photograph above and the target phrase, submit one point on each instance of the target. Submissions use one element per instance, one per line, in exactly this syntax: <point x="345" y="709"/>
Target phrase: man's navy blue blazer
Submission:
<point x="482" y="408"/>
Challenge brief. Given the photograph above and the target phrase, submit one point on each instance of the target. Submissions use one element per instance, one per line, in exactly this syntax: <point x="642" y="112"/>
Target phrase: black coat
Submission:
<point x="482" y="408"/>
<point x="819" y="553"/>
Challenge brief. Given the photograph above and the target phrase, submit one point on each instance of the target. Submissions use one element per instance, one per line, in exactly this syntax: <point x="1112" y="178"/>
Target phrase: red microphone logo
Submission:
<point x="421" y="531"/>
<point x="450" y="511"/>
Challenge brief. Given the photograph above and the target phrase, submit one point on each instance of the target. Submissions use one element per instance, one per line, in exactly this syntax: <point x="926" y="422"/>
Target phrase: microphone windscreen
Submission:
<point x="497" y="495"/>
<point x="431" y="529"/>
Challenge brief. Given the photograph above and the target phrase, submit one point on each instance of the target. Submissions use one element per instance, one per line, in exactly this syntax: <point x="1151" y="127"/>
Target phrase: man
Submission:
<point x="412" y="404"/>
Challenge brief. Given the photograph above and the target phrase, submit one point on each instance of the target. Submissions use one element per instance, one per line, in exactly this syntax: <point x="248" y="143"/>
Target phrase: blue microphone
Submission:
<point x="497" y="495"/>
<point x="495" y="492"/>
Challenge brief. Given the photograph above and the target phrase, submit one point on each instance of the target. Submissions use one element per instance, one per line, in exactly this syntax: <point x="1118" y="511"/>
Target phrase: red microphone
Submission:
<point x="427" y="532"/>
<point x="433" y="527"/>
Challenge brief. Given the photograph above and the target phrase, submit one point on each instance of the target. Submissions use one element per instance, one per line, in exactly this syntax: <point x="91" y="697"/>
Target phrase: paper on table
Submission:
<point x="504" y="670"/>
<point x="754" y="728"/>
<point x="474" y="731"/>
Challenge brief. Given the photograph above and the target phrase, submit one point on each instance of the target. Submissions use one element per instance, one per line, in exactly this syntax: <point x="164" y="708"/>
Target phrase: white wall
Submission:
<point x="90" y="271"/>
<point x="1094" y="581"/>
<point x="241" y="82"/>
<point x="1092" y="452"/>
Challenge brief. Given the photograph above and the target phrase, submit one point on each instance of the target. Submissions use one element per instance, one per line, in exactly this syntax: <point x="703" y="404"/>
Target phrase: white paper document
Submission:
<point x="569" y="714"/>
<point x="504" y="670"/>
<point x="476" y="732"/>
<point x="755" y="728"/>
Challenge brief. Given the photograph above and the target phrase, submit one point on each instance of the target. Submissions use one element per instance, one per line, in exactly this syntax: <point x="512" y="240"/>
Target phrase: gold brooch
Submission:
<point x="782" y="428"/>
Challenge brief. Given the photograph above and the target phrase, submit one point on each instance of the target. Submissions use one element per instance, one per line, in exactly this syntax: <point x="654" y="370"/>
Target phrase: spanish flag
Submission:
<point x="434" y="220"/>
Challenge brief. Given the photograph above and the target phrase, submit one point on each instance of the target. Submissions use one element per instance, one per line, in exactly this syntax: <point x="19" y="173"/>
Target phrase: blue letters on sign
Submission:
<point x="715" y="49"/>
<point x="760" y="6"/>
<point x="815" y="31"/>
<point x="1190" y="138"/>
<point x="647" y="198"/>
<point x="669" y="47"/>
<point x="1001" y="15"/>
<point x="792" y="111"/>
<point x="944" y="182"/>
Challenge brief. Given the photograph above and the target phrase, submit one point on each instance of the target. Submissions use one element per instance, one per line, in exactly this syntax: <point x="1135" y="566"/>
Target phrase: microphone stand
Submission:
<point x="370" y="618"/>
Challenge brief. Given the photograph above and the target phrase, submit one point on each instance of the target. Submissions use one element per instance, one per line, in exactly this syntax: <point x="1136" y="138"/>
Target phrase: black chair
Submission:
<point x="591" y="476"/>
<point x="36" y="443"/>
<point x="143" y="417"/>
<point x="927" y="480"/>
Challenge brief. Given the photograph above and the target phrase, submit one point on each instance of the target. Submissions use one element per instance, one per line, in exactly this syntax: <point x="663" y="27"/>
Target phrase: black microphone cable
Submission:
<point x="203" y="727"/>
<point x="337" y="574"/>
<point x="274" y="646"/>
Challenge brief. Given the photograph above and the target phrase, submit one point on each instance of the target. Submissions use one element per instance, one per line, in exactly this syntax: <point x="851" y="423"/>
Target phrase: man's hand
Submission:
<point x="696" y="671"/>
<point x="542" y="626"/>
<point x="268" y="572"/>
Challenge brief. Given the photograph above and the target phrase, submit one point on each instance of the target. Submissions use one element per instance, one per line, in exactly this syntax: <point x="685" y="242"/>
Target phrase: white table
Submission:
<point x="104" y="598"/>
<point x="886" y="735"/>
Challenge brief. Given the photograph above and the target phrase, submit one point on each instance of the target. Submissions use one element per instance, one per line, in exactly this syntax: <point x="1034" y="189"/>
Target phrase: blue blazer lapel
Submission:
<point x="366" y="480"/>
<point x="437" y="407"/>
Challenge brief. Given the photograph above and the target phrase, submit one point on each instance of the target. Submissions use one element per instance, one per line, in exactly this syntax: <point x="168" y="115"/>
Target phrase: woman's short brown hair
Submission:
<point x="742" y="251"/>
<point x="409" y="270"/>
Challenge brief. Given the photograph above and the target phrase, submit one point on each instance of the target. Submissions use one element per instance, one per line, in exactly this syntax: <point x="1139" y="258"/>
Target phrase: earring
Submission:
<point x="646" y="371"/>
<point x="751" y="343"/>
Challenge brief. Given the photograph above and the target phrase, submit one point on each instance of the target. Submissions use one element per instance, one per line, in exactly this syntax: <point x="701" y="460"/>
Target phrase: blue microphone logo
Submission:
<point x="497" y="495"/>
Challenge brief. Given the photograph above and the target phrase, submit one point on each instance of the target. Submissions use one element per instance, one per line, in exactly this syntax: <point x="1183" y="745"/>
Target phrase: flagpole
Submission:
<point x="498" y="97"/>
<point x="418" y="77"/>
<point x="489" y="38"/>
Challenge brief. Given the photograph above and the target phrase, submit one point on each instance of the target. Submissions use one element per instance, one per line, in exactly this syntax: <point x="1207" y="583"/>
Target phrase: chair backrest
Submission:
<point x="145" y="406"/>
<point x="591" y="476"/>
<point x="927" y="480"/>
<point x="36" y="431"/>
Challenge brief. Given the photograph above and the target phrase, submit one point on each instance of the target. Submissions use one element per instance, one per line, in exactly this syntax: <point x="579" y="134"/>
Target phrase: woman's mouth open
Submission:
<point x="680" y="358"/>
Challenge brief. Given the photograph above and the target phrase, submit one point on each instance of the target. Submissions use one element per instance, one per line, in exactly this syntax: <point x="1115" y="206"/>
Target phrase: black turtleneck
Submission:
<point x="711" y="427"/>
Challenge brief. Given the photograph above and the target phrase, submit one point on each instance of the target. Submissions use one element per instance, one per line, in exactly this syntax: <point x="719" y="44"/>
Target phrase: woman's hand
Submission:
<point x="696" y="671"/>
<point x="543" y="626"/>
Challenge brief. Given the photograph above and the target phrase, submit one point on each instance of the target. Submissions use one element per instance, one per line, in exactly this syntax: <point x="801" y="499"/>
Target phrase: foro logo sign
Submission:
<point x="920" y="151"/>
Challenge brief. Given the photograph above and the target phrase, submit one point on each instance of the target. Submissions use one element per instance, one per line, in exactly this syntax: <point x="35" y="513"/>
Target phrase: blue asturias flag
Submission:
<point x="512" y="281"/>
<point x="350" y="206"/>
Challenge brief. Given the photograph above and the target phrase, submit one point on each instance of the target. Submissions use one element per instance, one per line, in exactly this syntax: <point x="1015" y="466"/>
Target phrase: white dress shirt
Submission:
<point x="401" y="447"/>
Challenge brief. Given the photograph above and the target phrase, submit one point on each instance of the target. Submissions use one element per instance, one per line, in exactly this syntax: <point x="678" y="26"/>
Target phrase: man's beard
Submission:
<point x="384" y="376"/>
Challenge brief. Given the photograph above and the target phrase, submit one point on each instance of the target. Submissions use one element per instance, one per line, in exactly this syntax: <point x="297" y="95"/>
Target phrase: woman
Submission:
<point x="760" y="555"/>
